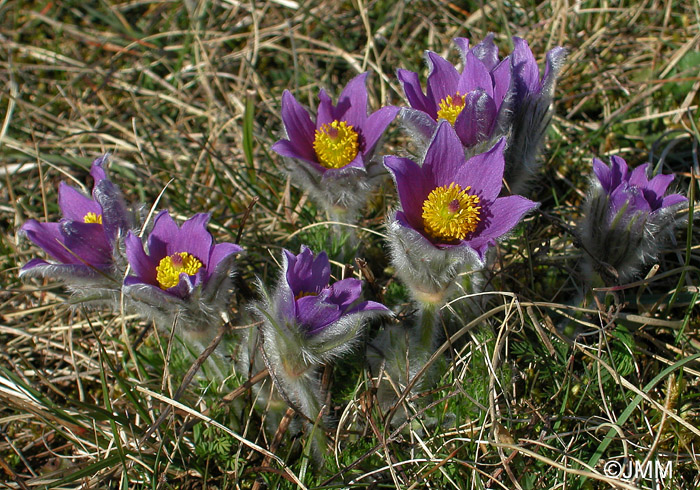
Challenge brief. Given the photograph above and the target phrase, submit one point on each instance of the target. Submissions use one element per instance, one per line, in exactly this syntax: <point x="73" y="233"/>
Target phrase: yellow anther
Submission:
<point x="450" y="107"/>
<point x="169" y="269"/>
<point x="92" y="218"/>
<point x="336" y="144"/>
<point x="450" y="213"/>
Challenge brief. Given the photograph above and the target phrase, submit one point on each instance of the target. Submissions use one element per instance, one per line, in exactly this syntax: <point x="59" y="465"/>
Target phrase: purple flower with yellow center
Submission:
<point x="84" y="243"/>
<point x="331" y="156"/>
<point x="450" y="211"/>
<point x="627" y="218"/>
<point x="471" y="100"/>
<point x="183" y="275"/>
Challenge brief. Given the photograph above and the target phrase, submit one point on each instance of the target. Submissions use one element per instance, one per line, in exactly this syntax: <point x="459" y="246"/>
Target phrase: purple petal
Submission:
<point x="96" y="170"/>
<point x="659" y="183"/>
<point x="638" y="176"/>
<point x="49" y="238"/>
<point x="618" y="173"/>
<point x="414" y="93"/>
<point x="285" y="148"/>
<point x="345" y="292"/>
<point x="32" y="264"/>
<point x="74" y="204"/>
<point x="115" y="216"/>
<point x="474" y="76"/>
<point x="142" y="266"/>
<point x="442" y="80"/>
<point x="484" y="173"/>
<point x="525" y="69"/>
<point x="325" y="113"/>
<point x="502" y="76"/>
<point x="476" y="121"/>
<point x="413" y="187"/>
<point x="194" y="238"/>
<point x="505" y="213"/>
<point x="367" y="306"/>
<point x="672" y="199"/>
<point x="306" y="273"/>
<point x="88" y="241"/>
<point x="165" y="231"/>
<point x="313" y="313"/>
<point x="221" y="251"/>
<point x="603" y="173"/>
<point x="300" y="129"/>
<point x="487" y="52"/>
<point x="376" y="124"/>
<point x="355" y="96"/>
<point x="444" y="156"/>
<point x="463" y="46"/>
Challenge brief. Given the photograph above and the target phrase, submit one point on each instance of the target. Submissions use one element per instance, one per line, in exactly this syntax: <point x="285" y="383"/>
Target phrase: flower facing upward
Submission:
<point x="184" y="274"/>
<point x="450" y="212"/>
<point x="343" y="135"/>
<point x="331" y="157"/>
<point x="452" y="202"/>
<point x="627" y="218"/>
<point x="471" y="100"/>
<point x="84" y="241"/>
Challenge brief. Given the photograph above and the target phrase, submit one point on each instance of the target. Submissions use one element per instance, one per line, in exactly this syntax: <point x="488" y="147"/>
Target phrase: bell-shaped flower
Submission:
<point x="184" y="276"/>
<point x="627" y="218"/>
<point x="331" y="157"/>
<point x="531" y="111"/>
<point x="308" y="321"/>
<point x="450" y="212"/>
<point x="471" y="100"/>
<point x="86" y="244"/>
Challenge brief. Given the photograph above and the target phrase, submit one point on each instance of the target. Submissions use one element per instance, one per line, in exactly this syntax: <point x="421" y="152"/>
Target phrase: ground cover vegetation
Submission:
<point x="239" y="297"/>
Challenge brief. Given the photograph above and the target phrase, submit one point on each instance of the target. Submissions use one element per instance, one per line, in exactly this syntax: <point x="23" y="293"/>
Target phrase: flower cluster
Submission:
<point x="489" y="99"/>
<point x="184" y="280"/>
<point x="627" y="218"/>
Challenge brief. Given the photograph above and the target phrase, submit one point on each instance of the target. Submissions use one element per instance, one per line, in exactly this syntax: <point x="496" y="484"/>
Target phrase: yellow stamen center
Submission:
<point x="301" y="294"/>
<point x="336" y="144"/>
<point x="169" y="269"/>
<point x="450" y="107"/>
<point x="92" y="218"/>
<point x="450" y="213"/>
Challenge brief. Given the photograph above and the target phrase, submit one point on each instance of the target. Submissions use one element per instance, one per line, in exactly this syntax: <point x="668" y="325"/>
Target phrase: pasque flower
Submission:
<point x="331" y="157"/>
<point x="627" y="218"/>
<point x="184" y="276"/>
<point x="86" y="243"/>
<point x="471" y="100"/>
<point x="490" y="98"/>
<point x="308" y="321"/>
<point x="450" y="212"/>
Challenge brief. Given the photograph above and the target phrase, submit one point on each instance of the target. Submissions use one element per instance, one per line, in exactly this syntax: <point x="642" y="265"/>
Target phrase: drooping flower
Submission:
<point x="331" y="157"/>
<point x="308" y="321"/>
<point x="627" y="218"/>
<point x="184" y="276"/>
<point x="471" y="100"/>
<point x="450" y="212"/>
<point x="86" y="243"/>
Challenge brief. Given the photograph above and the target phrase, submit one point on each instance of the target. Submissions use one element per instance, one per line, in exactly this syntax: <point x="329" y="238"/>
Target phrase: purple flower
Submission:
<point x="633" y="190"/>
<point x="179" y="259"/>
<point x="310" y="302"/>
<point x="450" y="212"/>
<point x="84" y="241"/>
<point x="342" y="136"/>
<point x="452" y="202"/>
<point x="471" y="100"/>
<point x="183" y="275"/>
<point x="627" y="218"/>
<point x="331" y="157"/>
